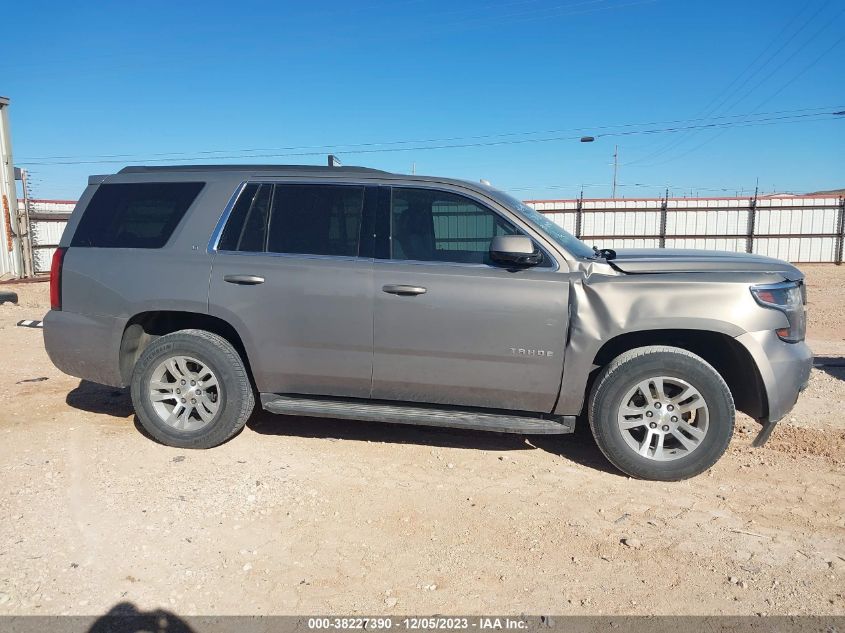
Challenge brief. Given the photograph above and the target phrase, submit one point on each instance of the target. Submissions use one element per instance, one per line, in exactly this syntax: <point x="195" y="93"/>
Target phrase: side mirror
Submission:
<point x="515" y="249"/>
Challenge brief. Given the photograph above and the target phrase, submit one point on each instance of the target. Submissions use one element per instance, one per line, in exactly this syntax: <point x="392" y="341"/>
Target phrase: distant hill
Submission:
<point x="832" y="192"/>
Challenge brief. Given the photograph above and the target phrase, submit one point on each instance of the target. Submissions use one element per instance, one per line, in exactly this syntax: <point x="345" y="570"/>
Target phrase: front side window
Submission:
<point x="316" y="219"/>
<point x="134" y="215"/>
<point x="429" y="225"/>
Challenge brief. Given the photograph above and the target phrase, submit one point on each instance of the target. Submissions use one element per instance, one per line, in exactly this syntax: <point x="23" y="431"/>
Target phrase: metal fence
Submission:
<point x="47" y="220"/>
<point x="798" y="229"/>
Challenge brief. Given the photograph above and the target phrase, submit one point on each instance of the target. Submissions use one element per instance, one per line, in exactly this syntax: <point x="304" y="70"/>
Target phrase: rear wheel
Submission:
<point x="661" y="413"/>
<point x="191" y="389"/>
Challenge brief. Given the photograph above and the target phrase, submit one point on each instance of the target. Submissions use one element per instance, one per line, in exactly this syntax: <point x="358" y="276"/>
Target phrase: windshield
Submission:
<point x="556" y="232"/>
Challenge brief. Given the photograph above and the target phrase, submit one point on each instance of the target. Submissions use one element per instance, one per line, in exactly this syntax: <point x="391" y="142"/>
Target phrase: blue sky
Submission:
<point x="144" y="80"/>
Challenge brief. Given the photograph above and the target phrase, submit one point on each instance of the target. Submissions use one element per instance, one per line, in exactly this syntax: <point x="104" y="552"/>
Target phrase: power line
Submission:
<point x="762" y="103"/>
<point x="776" y="53"/>
<point x="801" y="73"/>
<point x="708" y="108"/>
<point x="370" y="148"/>
<point x="770" y="121"/>
<point x="812" y="38"/>
<point x="426" y="140"/>
<point x="637" y="185"/>
<point x="714" y="110"/>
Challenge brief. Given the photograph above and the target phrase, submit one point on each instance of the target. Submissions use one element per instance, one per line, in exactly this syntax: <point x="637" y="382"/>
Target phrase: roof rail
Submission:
<point x="136" y="169"/>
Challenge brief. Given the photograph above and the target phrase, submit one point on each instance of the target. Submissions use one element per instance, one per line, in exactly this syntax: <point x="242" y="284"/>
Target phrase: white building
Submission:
<point x="10" y="255"/>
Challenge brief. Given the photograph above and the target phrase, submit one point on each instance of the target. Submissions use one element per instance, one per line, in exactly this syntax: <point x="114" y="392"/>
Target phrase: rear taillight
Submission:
<point x="56" y="279"/>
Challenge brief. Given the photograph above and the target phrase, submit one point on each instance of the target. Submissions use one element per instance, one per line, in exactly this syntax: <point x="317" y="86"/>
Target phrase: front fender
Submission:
<point x="607" y="306"/>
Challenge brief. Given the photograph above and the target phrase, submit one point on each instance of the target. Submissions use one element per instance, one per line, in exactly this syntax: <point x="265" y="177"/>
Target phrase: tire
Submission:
<point x="221" y="392"/>
<point x="688" y="404"/>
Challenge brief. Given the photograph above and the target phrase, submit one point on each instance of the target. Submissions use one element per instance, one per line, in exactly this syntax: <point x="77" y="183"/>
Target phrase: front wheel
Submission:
<point x="190" y="389"/>
<point x="661" y="413"/>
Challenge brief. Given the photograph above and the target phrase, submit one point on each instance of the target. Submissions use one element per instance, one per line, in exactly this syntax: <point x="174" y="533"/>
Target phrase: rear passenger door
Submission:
<point x="291" y="273"/>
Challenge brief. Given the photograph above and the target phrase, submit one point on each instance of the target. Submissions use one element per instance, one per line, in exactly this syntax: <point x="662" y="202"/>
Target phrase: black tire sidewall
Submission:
<point x="179" y="344"/>
<point x="696" y="372"/>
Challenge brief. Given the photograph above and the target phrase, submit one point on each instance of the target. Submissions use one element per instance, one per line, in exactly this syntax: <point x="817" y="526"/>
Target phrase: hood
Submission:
<point x="673" y="260"/>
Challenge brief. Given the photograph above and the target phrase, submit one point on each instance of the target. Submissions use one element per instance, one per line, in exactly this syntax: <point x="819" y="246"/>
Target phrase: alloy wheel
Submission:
<point x="184" y="393"/>
<point x="663" y="418"/>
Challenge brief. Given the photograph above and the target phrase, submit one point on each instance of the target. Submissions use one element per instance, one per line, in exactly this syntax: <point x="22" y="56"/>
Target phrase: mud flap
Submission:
<point x="764" y="434"/>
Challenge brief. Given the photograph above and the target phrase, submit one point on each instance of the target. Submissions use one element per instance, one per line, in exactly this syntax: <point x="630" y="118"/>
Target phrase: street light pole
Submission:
<point x="615" y="167"/>
<point x="590" y="139"/>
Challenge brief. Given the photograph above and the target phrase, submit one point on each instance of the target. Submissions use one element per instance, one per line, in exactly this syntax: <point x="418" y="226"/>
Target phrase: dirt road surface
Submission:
<point x="300" y="515"/>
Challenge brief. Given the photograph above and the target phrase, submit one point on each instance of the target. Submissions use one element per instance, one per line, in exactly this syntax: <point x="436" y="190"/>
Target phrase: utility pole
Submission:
<point x="615" y="167"/>
<point x="664" y="214"/>
<point x="414" y="168"/>
<point x="752" y="219"/>
<point x="24" y="225"/>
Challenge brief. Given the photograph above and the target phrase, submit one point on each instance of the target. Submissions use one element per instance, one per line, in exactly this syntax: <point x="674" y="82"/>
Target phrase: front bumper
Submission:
<point x="785" y="371"/>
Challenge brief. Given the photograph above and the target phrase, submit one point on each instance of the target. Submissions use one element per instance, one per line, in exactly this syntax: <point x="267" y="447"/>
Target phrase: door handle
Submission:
<point x="398" y="289"/>
<point x="244" y="280"/>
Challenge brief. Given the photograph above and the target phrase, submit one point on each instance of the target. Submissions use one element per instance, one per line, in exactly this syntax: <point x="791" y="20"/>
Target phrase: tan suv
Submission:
<point x="359" y="294"/>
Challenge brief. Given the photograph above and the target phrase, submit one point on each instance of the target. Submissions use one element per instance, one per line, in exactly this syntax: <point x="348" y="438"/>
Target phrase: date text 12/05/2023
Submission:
<point x="418" y="623"/>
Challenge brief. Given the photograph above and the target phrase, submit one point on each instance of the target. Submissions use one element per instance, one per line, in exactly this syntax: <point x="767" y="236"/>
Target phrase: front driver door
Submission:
<point x="452" y="327"/>
<point x="291" y="275"/>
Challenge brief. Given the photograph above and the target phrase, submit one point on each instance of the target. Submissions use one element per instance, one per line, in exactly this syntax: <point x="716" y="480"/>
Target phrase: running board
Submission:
<point x="504" y="422"/>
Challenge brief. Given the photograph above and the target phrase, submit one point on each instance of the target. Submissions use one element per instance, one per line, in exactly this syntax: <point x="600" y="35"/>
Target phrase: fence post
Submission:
<point x="840" y="232"/>
<point x="664" y="205"/>
<point x="578" y="207"/>
<point x="752" y="217"/>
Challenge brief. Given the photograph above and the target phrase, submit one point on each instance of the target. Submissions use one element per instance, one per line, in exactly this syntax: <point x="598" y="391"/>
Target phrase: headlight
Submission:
<point x="788" y="297"/>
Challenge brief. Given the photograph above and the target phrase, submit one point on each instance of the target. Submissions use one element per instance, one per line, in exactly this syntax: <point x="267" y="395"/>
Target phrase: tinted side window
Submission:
<point x="141" y="215"/>
<point x="246" y="229"/>
<point x="439" y="226"/>
<point x="316" y="219"/>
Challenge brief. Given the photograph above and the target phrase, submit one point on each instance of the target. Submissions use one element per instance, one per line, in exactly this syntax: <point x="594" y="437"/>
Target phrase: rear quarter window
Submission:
<point x="137" y="215"/>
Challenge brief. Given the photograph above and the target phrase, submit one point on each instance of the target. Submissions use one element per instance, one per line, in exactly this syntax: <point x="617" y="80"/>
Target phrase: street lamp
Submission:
<point x="590" y="139"/>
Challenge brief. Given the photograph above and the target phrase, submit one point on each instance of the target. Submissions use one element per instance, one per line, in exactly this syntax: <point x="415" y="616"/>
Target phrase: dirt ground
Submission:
<point x="315" y="516"/>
